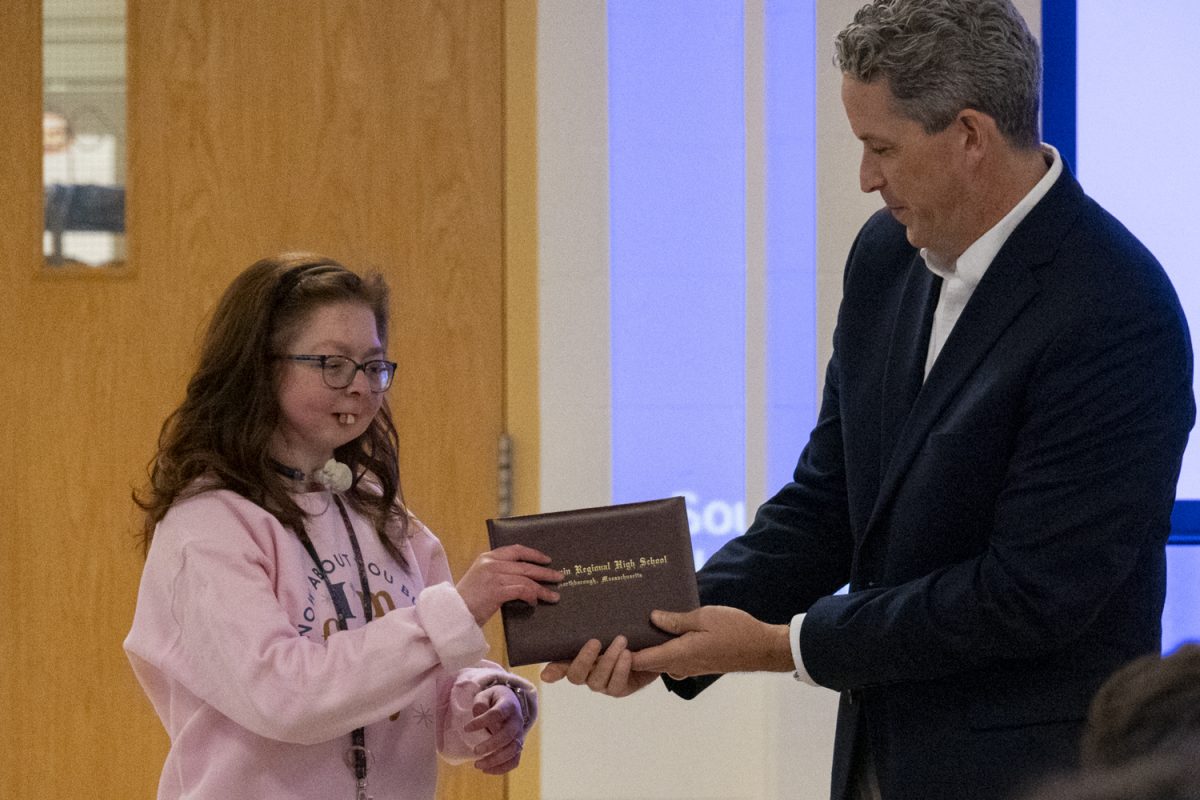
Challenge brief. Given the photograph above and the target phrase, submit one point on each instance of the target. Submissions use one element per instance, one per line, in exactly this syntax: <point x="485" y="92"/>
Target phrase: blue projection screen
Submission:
<point x="677" y="183"/>
<point x="1133" y="145"/>
<point x="678" y="259"/>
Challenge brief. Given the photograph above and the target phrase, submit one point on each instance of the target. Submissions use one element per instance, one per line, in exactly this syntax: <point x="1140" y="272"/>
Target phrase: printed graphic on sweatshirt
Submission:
<point x="388" y="591"/>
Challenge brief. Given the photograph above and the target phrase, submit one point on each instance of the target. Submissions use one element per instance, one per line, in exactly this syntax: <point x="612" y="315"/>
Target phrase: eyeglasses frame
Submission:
<point x="322" y="359"/>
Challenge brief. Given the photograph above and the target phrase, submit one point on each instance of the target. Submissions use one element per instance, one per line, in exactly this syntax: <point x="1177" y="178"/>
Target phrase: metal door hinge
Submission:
<point x="504" y="477"/>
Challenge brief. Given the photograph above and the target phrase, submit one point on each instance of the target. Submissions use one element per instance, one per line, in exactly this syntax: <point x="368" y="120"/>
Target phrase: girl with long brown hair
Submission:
<point x="275" y="531"/>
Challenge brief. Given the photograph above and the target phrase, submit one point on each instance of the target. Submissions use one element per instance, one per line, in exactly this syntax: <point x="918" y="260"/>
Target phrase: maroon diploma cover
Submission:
<point x="619" y="564"/>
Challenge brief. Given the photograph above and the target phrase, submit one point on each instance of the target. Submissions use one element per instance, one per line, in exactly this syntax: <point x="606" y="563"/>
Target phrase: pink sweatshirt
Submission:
<point x="235" y="642"/>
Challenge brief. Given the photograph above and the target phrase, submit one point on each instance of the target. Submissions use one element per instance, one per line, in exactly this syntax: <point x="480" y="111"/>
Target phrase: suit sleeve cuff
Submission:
<point x="801" y="674"/>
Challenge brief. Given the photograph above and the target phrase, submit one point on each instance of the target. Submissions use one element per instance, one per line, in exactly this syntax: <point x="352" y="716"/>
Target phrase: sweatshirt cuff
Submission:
<point x="448" y="623"/>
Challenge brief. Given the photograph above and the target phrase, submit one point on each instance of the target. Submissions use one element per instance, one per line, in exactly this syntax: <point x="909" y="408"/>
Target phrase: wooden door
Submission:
<point x="371" y="131"/>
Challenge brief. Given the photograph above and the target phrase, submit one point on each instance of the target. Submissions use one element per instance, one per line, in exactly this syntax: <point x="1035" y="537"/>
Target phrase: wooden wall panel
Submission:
<point x="368" y="130"/>
<point x="20" y="208"/>
<point x="521" y="364"/>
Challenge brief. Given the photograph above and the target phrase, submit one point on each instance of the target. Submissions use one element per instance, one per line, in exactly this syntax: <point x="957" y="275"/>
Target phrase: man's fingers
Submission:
<point x="581" y="667"/>
<point x="619" y="681"/>
<point x="661" y="658"/>
<point x="598" y="679"/>
<point x="675" y="621"/>
<point x="555" y="671"/>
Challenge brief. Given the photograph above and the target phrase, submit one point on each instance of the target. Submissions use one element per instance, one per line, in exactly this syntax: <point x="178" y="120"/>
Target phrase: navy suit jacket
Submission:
<point x="1001" y="524"/>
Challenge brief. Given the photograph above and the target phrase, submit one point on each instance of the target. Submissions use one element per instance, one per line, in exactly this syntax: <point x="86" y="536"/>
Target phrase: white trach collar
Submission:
<point x="334" y="476"/>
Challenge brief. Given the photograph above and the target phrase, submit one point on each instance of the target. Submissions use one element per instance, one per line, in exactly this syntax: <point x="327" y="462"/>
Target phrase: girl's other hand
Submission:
<point x="512" y="572"/>
<point x="498" y="711"/>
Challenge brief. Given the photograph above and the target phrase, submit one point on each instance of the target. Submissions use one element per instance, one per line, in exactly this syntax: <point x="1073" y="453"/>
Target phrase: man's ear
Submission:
<point x="978" y="132"/>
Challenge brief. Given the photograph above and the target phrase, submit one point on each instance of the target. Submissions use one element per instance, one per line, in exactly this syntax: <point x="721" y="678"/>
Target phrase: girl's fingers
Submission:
<point x="519" y="552"/>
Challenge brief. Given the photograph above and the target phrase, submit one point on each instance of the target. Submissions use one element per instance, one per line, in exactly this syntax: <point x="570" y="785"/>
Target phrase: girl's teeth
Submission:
<point x="346" y="419"/>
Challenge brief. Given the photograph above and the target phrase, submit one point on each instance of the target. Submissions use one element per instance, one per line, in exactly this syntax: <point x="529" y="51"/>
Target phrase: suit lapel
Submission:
<point x="1005" y="289"/>
<point x="905" y="369"/>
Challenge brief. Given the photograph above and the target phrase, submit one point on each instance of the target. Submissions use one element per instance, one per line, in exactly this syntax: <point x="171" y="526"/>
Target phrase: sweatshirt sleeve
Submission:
<point x="456" y="701"/>
<point x="208" y="618"/>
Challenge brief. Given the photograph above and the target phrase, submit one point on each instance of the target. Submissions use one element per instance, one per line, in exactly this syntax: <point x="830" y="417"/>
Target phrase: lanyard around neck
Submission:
<point x="358" y="737"/>
<point x="358" y="559"/>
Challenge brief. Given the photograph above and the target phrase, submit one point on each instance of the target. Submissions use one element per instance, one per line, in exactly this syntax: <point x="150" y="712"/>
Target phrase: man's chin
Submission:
<point x="901" y="215"/>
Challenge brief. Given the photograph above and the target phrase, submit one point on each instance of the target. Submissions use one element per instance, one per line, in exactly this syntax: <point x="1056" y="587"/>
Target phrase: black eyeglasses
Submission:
<point x="338" y="371"/>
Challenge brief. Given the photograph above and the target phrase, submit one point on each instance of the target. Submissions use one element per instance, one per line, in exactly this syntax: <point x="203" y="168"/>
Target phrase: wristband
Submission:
<point x="522" y="698"/>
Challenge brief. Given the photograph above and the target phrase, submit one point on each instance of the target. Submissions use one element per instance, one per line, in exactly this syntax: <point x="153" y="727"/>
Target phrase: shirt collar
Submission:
<point x="974" y="261"/>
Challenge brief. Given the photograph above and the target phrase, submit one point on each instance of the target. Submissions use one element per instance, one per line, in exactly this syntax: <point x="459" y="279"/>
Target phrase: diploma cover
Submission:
<point x="619" y="563"/>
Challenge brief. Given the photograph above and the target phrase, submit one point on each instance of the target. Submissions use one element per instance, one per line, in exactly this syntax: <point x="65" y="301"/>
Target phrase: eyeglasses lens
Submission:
<point x="379" y="375"/>
<point x="339" y="373"/>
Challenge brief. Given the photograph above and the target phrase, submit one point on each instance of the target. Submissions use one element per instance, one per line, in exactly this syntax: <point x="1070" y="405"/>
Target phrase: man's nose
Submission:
<point x="870" y="179"/>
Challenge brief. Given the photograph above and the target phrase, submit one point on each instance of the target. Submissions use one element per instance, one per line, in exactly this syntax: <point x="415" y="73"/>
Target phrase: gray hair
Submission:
<point x="942" y="56"/>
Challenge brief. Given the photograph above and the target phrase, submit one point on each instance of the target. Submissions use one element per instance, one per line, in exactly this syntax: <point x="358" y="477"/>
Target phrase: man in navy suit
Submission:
<point x="994" y="464"/>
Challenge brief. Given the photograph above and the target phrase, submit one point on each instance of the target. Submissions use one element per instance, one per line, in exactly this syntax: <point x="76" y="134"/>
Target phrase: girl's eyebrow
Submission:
<point x="333" y="344"/>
